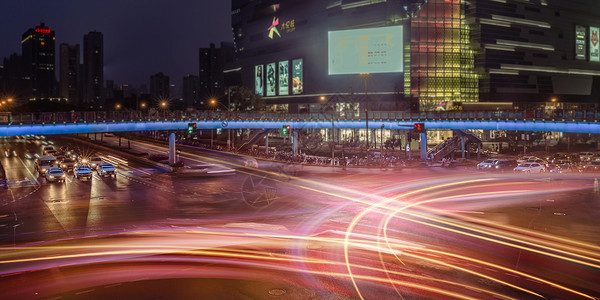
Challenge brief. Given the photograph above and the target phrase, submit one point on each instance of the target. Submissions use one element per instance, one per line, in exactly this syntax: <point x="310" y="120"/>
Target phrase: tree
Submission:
<point x="242" y="98"/>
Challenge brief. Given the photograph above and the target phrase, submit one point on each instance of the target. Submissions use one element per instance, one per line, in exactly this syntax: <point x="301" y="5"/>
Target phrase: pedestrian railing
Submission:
<point x="165" y="115"/>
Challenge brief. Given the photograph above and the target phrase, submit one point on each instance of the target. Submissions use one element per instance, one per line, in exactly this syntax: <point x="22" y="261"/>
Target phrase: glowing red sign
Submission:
<point x="41" y="30"/>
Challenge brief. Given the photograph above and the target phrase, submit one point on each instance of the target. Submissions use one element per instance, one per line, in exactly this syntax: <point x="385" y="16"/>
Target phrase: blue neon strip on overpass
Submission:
<point x="70" y="128"/>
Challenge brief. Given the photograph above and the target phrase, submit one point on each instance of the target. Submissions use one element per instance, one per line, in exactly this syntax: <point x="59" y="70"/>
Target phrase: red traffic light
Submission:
<point x="419" y="127"/>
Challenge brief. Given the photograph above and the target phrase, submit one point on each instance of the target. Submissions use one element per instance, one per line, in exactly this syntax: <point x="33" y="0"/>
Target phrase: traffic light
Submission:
<point x="419" y="127"/>
<point x="285" y="129"/>
<point x="191" y="128"/>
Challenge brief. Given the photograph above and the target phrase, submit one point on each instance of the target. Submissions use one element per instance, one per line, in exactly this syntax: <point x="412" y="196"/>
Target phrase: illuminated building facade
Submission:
<point x="37" y="46"/>
<point x="452" y="51"/>
<point x="535" y="51"/>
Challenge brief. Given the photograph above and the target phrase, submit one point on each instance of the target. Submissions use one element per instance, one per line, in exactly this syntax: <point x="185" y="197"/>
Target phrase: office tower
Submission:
<point x="159" y="86"/>
<point x="211" y="65"/>
<point x="69" y="72"/>
<point x="37" y="46"/>
<point x="191" y="96"/>
<point x="93" y="68"/>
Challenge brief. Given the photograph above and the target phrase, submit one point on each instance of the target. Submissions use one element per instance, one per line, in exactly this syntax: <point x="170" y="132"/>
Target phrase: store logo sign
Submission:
<point x="273" y="28"/>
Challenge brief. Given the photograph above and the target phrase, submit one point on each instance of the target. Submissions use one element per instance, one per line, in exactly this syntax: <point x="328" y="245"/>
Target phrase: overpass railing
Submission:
<point x="133" y="116"/>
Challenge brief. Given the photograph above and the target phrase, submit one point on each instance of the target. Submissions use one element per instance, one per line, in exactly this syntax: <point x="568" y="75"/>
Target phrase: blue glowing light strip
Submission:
<point x="69" y="128"/>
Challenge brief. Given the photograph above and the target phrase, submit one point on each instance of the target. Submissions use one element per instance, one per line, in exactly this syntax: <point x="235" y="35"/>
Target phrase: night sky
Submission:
<point x="141" y="38"/>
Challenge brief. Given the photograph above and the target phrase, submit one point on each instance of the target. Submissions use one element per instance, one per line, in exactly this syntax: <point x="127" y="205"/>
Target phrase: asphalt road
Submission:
<point x="293" y="232"/>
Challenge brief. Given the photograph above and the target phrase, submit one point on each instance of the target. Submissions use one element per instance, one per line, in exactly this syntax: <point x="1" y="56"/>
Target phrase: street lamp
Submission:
<point x="365" y="77"/>
<point x="118" y="106"/>
<point x="143" y="105"/>
<point x="228" y="107"/>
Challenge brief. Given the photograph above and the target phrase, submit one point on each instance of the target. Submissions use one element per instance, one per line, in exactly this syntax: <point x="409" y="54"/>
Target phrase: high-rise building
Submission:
<point x="211" y="66"/>
<point x="37" y="46"/>
<point x="191" y="91"/>
<point x="14" y="81"/>
<point x="69" y="72"/>
<point x="159" y="86"/>
<point x="93" y="68"/>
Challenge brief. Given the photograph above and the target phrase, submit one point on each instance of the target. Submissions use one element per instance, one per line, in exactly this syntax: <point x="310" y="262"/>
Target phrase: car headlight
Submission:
<point x="497" y="167"/>
<point x="51" y="176"/>
<point x="63" y="175"/>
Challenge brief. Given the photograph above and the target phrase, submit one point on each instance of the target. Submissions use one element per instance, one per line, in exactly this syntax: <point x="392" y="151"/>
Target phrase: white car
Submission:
<point x="55" y="175"/>
<point x="526" y="158"/>
<point x="530" y="167"/>
<point x="486" y="164"/>
<point x="94" y="162"/>
<point x="106" y="169"/>
<point x="83" y="171"/>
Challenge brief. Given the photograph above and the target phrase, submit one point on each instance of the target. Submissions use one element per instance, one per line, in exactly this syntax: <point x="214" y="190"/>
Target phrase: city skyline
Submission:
<point x="139" y="40"/>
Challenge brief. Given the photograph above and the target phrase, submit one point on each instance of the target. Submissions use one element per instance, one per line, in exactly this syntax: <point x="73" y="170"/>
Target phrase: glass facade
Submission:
<point x="441" y="58"/>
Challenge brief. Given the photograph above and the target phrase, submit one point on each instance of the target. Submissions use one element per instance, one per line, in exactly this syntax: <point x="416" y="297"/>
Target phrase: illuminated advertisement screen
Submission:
<point x="271" y="79"/>
<point x="370" y="50"/>
<point x="594" y="45"/>
<point x="284" y="78"/>
<point x="580" y="39"/>
<point x="258" y="80"/>
<point x="297" y="76"/>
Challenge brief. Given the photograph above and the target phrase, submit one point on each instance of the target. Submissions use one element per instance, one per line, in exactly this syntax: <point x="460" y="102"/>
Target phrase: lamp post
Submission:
<point x="213" y="101"/>
<point x="365" y="77"/>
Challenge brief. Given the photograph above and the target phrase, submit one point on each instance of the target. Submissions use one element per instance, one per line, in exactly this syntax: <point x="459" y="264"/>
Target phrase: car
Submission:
<point x="44" y="163"/>
<point x="526" y="158"/>
<point x="486" y="164"/>
<point x="530" y="167"/>
<point x="94" y="161"/>
<point x="106" y="169"/>
<point x="591" y="166"/>
<point x="502" y="165"/>
<point x="10" y="152"/>
<point x="67" y="164"/>
<point x="55" y="175"/>
<point x="31" y="155"/>
<point x="585" y="156"/>
<point x="562" y="168"/>
<point x="47" y="149"/>
<point x="82" y="171"/>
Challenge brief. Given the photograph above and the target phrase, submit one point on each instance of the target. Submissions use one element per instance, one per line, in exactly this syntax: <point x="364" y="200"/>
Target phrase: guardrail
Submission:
<point x="129" y="116"/>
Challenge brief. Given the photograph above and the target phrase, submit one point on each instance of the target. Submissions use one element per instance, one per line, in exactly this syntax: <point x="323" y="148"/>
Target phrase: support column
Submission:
<point x="119" y="141"/>
<point x="267" y="143"/>
<point x="172" y="152"/>
<point x="462" y="144"/>
<point x="295" y="142"/>
<point x="423" y="146"/>
<point x="478" y="151"/>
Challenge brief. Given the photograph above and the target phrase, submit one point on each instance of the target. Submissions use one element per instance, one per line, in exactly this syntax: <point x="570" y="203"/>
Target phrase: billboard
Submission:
<point x="271" y="83"/>
<point x="594" y="45"/>
<point x="284" y="78"/>
<point x="258" y="80"/>
<point x="580" y="42"/>
<point x="297" y="76"/>
<point x="369" y="50"/>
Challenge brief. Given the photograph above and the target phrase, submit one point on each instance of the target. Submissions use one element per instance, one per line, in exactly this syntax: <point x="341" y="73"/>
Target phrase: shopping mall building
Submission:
<point x="310" y="55"/>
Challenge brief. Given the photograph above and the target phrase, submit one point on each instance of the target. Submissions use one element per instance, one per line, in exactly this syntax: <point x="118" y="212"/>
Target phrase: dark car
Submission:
<point x="503" y="165"/>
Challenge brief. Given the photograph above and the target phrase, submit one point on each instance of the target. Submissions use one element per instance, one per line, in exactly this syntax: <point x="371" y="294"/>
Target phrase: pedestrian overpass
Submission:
<point x="127" y="121"/>
<point x="123" y="121"/>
